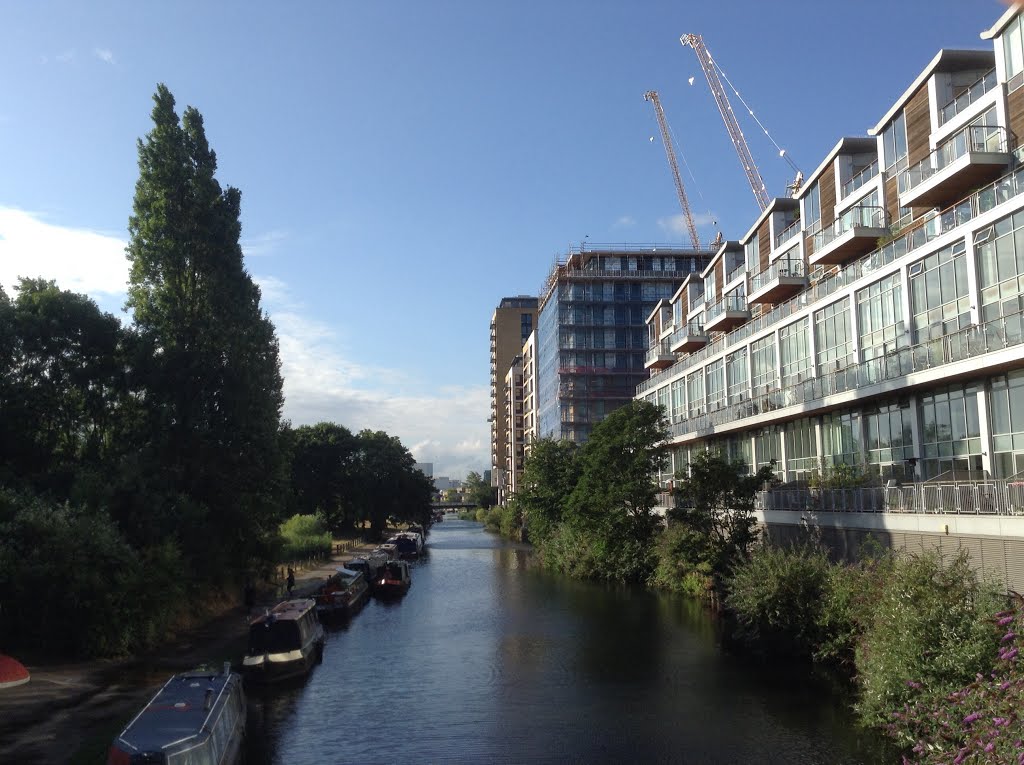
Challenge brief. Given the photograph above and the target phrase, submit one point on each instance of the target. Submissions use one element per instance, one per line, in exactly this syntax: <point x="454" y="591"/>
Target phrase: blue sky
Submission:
<point x="406" y="164"/>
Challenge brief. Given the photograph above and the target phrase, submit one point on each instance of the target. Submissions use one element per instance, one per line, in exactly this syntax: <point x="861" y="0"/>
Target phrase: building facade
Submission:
<point x="591" y="336"/>
<point x="511" y="324"/>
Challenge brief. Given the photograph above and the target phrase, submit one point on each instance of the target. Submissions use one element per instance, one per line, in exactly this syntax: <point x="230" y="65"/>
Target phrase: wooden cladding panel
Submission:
<point x="919" y="125"/>
<point x="1015" y="109"/>
<point x="719" y="277"/>
<point x="892" y="198"/>
<point x="827" y="190"/>
<point x="764" y="245"/>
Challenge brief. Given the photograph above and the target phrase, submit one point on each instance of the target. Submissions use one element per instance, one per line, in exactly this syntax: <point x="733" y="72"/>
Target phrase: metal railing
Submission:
<point x="870" y="216"/>
<point x="918" y="235"/>
<point x="787" y="233"/>
<point x="861" y="177"/>
<point x="735" y="272"/>
<point x="661" y="348"/>
<point x="980" y="138"/>
<point x="996" y="497"/>
<point x="690" y="329"/>
<point x="781" y="267"/>
<point x="731" y="303"/>
<point x="968" y="343"/>
<point x="979" y="88"/>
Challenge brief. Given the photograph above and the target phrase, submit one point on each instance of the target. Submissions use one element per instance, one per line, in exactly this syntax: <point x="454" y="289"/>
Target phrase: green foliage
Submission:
<point x="777" y="596"/>
<point x="325" y="475"/>
<point x="715" y="504"/>
<point x="480" y="515"/>
<point x="930" y="626"/>
<point x="511" y="523"/>
<point x="304" y="536"/>
<point x="492" y="518"/>
<point x="477" y="490"/>
<point x="682" y="564"/>
<point x="549" y="477"/>
<point x="842" y="476"/>
<point x="386" y="483"/>
<point x="978" y="723"/>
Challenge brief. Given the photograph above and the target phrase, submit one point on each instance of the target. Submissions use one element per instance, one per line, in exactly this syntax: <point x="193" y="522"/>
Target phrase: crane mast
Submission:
<point x="738" y="141"/>
<point x="652" y="96"/>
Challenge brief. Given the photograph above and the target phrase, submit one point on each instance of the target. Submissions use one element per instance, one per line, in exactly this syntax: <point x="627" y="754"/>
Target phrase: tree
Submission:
<point x="549" y="477"/>
<point x="323" y="473"/>
<point x="389" y="484"/>
<point x="212" y="381"/>
<point x="713" y="513"/>
<point x="478" y="491"/>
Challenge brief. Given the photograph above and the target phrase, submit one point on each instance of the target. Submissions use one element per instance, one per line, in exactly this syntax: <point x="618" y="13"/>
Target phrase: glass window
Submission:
<point x="939" y="297"/>
<point x="801" y="449"/>
<point x="1013" y="48"/>
<point x="767" y="448"/>
<point x="1000" y="252"/>
<point x="737" y="376"/>
<point x="678" y="399"/>
<point x="833" y="337"/>
<point x="709" y="288"/>
<point x="752" y="255"/>
<point x="889" y="440"/>
<point x="840" y="438"/>
<point x="950" y="432"/>
<point x="812" y="209"/>
<point x="1007" y="404"/>
<point x="894" y="141"/>
<point x="714" y="379"/>
<point x="880" y="315"/>
<point x="795" y="352"/>
<point x="695" y="393"/>
<point x="762" y="361"/>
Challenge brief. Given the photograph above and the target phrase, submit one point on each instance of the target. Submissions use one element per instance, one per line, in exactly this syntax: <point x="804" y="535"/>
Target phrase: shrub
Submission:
<point x="492" y="519"/>
<point x="682" y="563"/>
<point x="930" y="626"/>
<point x="777" y="596"/>
<point x="304" y="536"/>
<point x="979" y="723"/>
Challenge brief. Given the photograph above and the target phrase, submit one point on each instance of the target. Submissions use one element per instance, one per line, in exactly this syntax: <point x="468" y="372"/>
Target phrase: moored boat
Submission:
<point x="394" y="581"/>
<point x="370" y="564"/>
<point x="195" y="717"/>
<point x="342" y="594"/>
<point x="284" y="642"/>
<point x="408" y="544"/>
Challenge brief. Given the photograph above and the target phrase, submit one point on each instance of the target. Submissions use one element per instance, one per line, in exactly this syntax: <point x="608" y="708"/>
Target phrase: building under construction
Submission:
<point x="592" y="333"/>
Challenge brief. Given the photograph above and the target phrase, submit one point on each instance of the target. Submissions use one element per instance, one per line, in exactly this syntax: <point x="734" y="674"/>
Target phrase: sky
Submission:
<point x="406" y="164"/>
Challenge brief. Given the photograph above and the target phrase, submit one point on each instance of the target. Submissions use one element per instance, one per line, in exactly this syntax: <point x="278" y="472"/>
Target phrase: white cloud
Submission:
<point x="78" y="259"/>
<point x="263" y="244"/>
<point x="65" y="57"/>
<point x="445" y="426"/>
<point x="105" y="54"/>
<point x="676" y="224"/>
<point x="624" y="221"/>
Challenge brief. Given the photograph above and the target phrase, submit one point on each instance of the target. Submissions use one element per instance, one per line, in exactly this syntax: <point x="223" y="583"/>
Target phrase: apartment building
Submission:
<point x="591" y="335"/>
<point x="511" y="324"/>
<point x="874" y="320"/>
<point x="515" y="439"/>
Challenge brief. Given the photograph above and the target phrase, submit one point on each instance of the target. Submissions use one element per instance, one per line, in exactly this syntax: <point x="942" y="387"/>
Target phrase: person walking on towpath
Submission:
<point x="291" y="580"/>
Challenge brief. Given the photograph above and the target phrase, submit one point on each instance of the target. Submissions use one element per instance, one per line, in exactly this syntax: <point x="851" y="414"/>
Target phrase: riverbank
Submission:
<point x="71" y="712"/>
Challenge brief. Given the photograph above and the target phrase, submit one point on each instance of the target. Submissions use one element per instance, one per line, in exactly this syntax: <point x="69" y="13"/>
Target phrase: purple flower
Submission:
<point x="971" y="718"/>
<point x="960" y="756"/>
<point x="1008" y="636"/>
<point x="1009" y="655"/>
<point x="990" y="747"/>
<point x="1004" y="686"/>
<point x="1004" y="621"/>
<point x="912" y="684"/>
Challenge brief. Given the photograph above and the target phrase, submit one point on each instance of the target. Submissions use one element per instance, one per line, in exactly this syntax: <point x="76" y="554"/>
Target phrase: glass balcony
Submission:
<point x="890" y="370"/>
<point x="784" y="278"/>
<point x="852" y="234"/>
<point x="986" y="83"/>
<point x="689" y="337"/>
<point x="789" y="232"/>
<point x="735" y="273"/>
<point x="660" y="356"/>
<point x="968" y="158"/>
<point x="862" y="177"/>
<point x="727" y="313"/>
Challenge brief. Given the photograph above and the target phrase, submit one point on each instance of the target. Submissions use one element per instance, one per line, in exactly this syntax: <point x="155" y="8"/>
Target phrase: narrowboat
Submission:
<point x="195" y="717"/>
<point x="284" y="642"/>
<point x="342" y="594"/>
<point x="370" y="564"/>
<point x="388" y="549"/>
<point x="407" y="544"/>
<point x="394" y="581"/>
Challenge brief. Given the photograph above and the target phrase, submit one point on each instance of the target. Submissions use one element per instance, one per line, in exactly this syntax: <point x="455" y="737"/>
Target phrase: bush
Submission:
<point x="930" y="626"/>
<point x="304" y="536"/>
<point x="682" y="565"/>
<point x="492" y="519"/>
<point x="979" y="723"/>
<point x="777" y="596"/>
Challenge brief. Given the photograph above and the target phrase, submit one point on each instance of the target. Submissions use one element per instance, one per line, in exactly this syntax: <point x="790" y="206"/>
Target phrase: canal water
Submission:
<point x="489" y="660"/>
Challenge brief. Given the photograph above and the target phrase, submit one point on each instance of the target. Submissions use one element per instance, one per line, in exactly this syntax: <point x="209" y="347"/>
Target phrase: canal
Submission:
<point x="487" y="659"/>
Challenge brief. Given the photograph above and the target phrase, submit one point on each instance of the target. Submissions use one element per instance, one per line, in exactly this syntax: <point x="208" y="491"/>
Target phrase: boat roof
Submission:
<point x="287" y="609"/>
<point x="176" y="714"/>
<point x="347" y="572"/>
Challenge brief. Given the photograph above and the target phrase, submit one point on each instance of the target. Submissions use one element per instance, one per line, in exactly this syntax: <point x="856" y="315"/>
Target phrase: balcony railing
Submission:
<point x="973" y="138"/>
<point x="690" y="329"/>
<point x="867" y="216"/>
<point x="996" y="193"/>
<point x="787" y="233"/>
<point x="731" y="303"/>
<point x="997" y="497"/>
<point x="781" y="267"/>
<point x="660" y="349"/>
<point x="735" y="273"/>
<point x="862" y="177"/>
<point x="966" y="344"/>
<point x="968" y="97"/>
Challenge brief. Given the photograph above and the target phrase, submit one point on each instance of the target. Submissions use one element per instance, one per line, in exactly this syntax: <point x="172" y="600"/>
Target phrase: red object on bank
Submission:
<point x="12" y="672"/>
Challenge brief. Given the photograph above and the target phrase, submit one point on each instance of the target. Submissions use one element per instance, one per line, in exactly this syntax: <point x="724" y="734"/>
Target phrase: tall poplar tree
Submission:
<point x="213" y="382"/>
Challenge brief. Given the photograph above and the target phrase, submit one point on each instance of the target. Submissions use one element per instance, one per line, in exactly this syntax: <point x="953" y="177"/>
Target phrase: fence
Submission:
<point x="968" y="498"/>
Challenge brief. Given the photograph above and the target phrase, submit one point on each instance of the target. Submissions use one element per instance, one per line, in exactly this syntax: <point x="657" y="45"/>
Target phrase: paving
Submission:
<point x="48" y="718"/>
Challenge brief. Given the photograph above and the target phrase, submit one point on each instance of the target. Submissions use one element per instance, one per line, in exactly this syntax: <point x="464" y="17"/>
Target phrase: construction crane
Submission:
<point x="711" y="71"/>
<point x="652" y="96"/>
